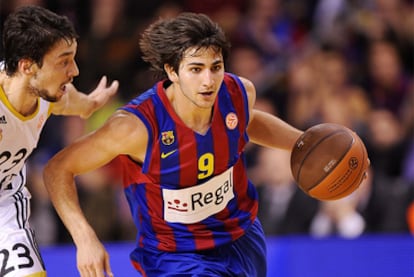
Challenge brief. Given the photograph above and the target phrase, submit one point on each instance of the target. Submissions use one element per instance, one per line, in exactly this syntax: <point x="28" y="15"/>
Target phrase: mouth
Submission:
<point x="207" y="93"/>
<point x="63" y="88"/>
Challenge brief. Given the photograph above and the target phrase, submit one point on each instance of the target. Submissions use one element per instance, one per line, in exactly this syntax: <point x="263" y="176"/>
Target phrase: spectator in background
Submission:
<point x="303" y="100"/>
<point x="387" y="83"/>
<point x="342" y="101"/>
<point x="107" y="45"/>
<point x="386" y="206"/>
<point x="386" y="143"/>
<point x="284" y="209"/>
<point x="338" y="218"/>
<point x="379" y="205"/>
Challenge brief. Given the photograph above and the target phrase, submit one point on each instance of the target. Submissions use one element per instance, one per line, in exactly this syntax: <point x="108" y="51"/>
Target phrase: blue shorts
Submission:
<point x="245" y="257"/>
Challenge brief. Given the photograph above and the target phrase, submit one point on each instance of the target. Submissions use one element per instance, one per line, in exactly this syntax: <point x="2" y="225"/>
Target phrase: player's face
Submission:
<point x="58" y="69"/>
<point x="200" y="75"/>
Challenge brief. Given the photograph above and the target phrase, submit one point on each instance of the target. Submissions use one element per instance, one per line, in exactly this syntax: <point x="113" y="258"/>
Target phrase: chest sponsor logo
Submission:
<point x="194" y="204"/>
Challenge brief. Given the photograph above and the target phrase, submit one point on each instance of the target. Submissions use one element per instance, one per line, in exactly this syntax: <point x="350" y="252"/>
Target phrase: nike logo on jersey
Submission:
<point x="166" y="154"/>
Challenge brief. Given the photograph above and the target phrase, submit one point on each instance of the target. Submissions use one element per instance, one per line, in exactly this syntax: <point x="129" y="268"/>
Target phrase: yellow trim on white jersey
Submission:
<point x="37" y="274"/>
<point x="6" y="102"/>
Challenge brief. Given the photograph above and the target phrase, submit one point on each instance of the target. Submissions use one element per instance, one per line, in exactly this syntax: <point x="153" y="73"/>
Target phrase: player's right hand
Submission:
<point x="93" y="259"/>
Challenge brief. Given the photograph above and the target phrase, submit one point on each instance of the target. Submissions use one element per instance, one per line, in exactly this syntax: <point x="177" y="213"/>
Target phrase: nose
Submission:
<point x="74" y="70"/>
<point x="208" y="79"/>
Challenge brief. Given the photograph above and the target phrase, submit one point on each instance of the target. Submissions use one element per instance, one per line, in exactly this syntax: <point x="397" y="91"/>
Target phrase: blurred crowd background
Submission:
<point x="343" y="61"/>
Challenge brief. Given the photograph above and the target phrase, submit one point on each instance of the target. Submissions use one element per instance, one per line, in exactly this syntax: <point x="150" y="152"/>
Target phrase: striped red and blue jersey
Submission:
<point x="192" y="191"/>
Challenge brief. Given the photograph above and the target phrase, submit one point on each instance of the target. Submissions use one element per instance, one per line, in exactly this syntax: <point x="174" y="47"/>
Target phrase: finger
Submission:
<point x="108" y="266"/>
<point x="85" y="272"/>
<point x="113" y="88"/>
<point x="102" y="82"/>
<point x="97" y="273"/>
<point x="115" y="85"/>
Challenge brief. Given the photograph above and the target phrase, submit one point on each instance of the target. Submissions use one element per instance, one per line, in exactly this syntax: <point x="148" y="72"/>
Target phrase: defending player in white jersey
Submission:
<point x="35" y="82"/>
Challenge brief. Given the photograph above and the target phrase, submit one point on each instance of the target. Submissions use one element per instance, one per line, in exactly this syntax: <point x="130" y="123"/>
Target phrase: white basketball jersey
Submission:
<point x="19" y="136"/>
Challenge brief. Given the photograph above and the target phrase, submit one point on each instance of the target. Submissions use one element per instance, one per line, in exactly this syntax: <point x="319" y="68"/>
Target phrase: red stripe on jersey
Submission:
<point x="138" y="267"/>
<point x="131" y="171"/>
<point x="204" y="239"/>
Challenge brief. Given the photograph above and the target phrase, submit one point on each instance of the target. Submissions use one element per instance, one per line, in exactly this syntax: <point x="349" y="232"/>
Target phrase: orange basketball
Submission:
<point x="329" y="161"/>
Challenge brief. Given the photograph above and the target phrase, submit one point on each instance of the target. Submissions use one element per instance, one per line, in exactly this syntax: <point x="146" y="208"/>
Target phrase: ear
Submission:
<point x="172" y="75"/>
<point x="27" y="66"/>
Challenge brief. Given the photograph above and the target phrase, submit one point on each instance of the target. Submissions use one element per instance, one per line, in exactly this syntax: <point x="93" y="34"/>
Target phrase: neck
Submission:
<point x="16" y="92"/>
<point x="196" y="118"/>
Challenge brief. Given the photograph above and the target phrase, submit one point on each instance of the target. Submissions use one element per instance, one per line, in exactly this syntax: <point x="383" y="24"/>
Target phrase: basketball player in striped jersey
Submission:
<point x="35" y="82"/>
<point x="181" y="145"/>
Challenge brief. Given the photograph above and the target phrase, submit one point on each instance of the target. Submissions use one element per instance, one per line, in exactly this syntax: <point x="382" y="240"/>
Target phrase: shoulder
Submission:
<point x="250" y="90"/>
<point x="245" y="83"/>
<point x="248" y="85"/>
<point x="124" y="122"/>
<point x="126" y="133"/>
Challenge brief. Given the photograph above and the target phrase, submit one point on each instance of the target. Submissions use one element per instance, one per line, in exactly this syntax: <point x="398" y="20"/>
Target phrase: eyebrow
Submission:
<point x="201" y="64"/>
<point x="64" y="54"/>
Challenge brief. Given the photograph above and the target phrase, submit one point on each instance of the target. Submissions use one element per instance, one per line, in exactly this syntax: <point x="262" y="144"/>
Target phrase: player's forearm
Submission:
<point x="270" y="131"/>
<point x="63" y="194"/>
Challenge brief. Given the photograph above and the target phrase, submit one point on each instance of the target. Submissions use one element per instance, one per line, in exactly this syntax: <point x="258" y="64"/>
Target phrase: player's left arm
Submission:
<point x="75" y="102"/>
<point x="266" y="129"/>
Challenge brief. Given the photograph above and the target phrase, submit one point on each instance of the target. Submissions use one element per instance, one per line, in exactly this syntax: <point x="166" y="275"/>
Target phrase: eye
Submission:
<point x="195" y="69"/>
<point x="64" y="62"/>
<point x="217" y="68"/>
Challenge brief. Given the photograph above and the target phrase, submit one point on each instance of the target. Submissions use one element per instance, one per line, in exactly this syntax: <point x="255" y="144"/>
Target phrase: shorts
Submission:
<point x="19" y="252"/>
<point x="245" y="257"/>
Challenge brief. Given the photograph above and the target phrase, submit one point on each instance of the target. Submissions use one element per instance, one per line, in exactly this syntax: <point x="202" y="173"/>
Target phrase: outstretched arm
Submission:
<point x="123" y="133"/>
<point x="75" y="102"/>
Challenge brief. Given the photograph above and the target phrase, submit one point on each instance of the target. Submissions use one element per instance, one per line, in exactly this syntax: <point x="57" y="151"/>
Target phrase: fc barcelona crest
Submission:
<point x="167" y="138"/>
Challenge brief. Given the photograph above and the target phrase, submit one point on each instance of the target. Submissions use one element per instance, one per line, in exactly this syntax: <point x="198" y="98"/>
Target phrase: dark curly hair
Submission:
<point x="30" y="32"/>
<point x="166" y="40"/>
